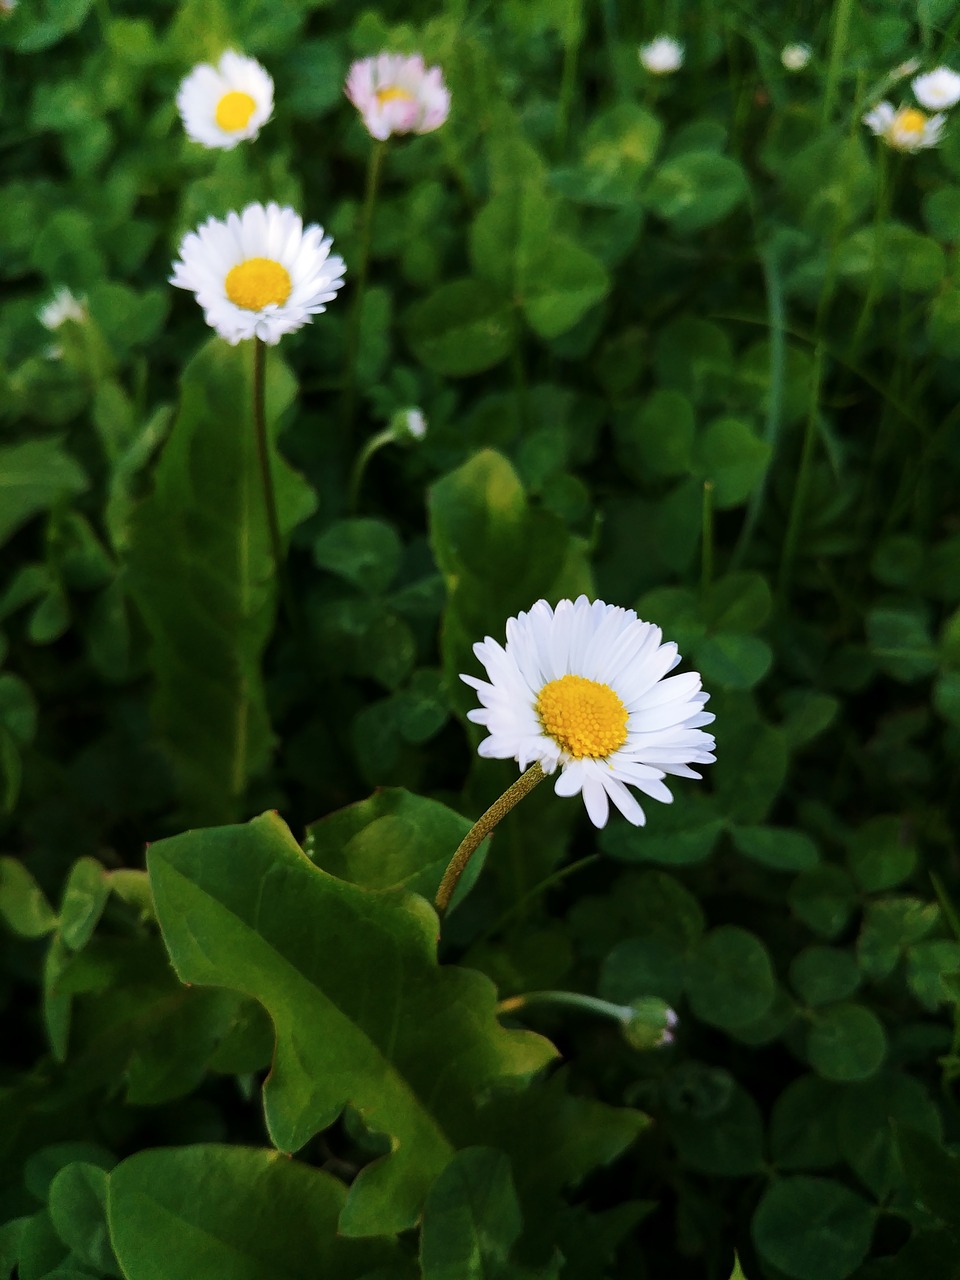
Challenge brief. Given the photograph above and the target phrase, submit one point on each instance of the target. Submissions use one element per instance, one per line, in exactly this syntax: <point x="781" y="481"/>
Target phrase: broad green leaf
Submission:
<point x="882" y="853"/>
<point x="34" y="475"/>
<point x="362" y="1013"/>
<point x="679" y="834"/>
<point x="364" y="552"/>
<point x="869" y="1117"/>
<point x="730" y="981"/>
<point x="804" y="1125"/>
<point x="618" y="147"/>
<point x="201" y="572"/>
<point x="813" y="1228"/>
<point x="846" y="1041"/>
<point x="23" y="904"/>
<point x="733" y="661"/>
<point x="84" y="897"/>
<point x="655" y="436"/>
<point x="696" y="189"/>
<point x="394" y="840"/>
<point x="727" y="1142"/>
<point x="780" y="848"/>
<point x="891" y="257"/>
<point x="900" y="641"/>
<point x="933" y="1174"/>
<point x="739" y="602"/>
<point x="928" y="964"/>
<point x="823" y="899"/>
<point x="237" y="1213"/>
<point x="890" y="926"/>
<point x="78" y="1199"/>
<point x="821" y="975"/>
<point x="733" y="458"/>
<point x="44" y="1165"/>
<point x="464" y="327"/>
<point x="640" y="967"/>
<point x="558" y="281"/>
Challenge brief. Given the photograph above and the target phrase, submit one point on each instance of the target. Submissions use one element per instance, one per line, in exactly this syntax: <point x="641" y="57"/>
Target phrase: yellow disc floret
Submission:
<point x="910" y="121"/>
<point x="234" y="111"/>
<point x="256" y="283"/>
<point x="585" y="718"/>
<point x="393" y="94"/>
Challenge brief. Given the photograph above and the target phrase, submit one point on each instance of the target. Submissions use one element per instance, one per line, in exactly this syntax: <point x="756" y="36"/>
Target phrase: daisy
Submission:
<point x="581" y="689"/>
<point x="795" y="56"/>
<point x="63" y="306"/>
<point x="7" y="6"/>
<point x="395" y="94"/>
<point x="906" y="128"/>
<point x="662" y="56"/>
<point x="260" y="274"/>
<point x="414" y="424"/>
<point x="937" y="90"/>
<point x="226" y="104"/>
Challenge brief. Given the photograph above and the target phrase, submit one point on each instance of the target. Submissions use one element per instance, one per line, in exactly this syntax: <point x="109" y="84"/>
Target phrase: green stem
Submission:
<point x="360" y="465"/>
<point x="571" y="999"/>
<point x="374" y="166"/>
<point x="706" y="537"/>
<point x="799" y="501"/>
<point x="480" y="830"/>
<point x="838" y="46"/>
<point x="568" y="78"/>
<point x="263" y="454"/>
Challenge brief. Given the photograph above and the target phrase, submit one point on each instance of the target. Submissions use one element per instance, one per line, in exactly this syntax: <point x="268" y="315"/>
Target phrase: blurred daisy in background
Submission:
<point x="662" y="56"/>
<point x="259" y="274"/>
<point x="795" y="56"/>
<point x="581" y="689"/>
<point x="937" y="90"/>
<point x="7" y="7"/>
<point x="63" y="306"/>
<point x="226" y="104"/>
<point x="396" y="94"/>
<point x="904" y="128"/>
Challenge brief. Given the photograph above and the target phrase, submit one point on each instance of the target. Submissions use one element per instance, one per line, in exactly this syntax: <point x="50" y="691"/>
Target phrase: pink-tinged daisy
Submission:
<point x="395" y="94"/>
<point x="582" y="688"/>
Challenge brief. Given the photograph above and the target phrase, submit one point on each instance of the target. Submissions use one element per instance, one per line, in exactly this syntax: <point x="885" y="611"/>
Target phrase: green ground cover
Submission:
<point x="686" y="342"/>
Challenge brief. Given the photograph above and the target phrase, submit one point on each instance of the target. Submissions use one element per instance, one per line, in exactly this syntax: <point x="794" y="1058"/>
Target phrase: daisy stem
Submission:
<point x="838" y="45"/>
<point x="573" y="999"/>
<point x="799" y="500"/>
<point x="263" y="458"/>
<point x="377" y="152"/>
<point x="360" y="464"/>
<point x="572" y="37"/>
<point x="480" y="830"/>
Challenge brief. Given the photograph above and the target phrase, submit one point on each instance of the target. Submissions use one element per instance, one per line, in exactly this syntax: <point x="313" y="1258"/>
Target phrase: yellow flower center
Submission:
<point x="234" y="111"/>
<point x="393" y="94"/>
<point x="582" y="716"/>
<point x="256" y="283"/>
<point x="910" y="120"/>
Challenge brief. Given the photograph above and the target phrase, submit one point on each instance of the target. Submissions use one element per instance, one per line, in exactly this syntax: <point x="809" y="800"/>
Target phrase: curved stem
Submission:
<point x="353" y="331"/>
<point x="480" y="830"/>
<point x="360" y="465"/>
<point x="572" y="999"/>
<point x="263" y="454"/>
<point x="799" y="500"/>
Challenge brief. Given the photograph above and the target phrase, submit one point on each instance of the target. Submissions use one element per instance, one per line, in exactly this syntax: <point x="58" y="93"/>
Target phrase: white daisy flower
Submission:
<point x="662" y="56"/>
<point x="581" y="688"/>
<point x="395" y="94"/>
<point x="414" y="423"/>
<point x="795" y="56"/>
<point x="7" y="6"/>
<point x="260" y="274"/>
<point x="904" y="128"/>
<point x="937" y="90"/>
<point x="226" y="104"/>
<point x="63" y="306"/>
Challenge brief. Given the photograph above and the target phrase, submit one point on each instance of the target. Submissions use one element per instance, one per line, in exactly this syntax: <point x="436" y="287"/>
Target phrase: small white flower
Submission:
<point x="63" y="306"/>
<point x="581" y="688"/>
<point x="226" y="104"/>
<point x="260" y="274"/>
<point x="415" y="423"/>
<point x="937" y="90"/>
<point x="662" y="56"/>
<point x="395" y="94"/>
<point x="795" y="56"/>
<point x="904" y="128"/>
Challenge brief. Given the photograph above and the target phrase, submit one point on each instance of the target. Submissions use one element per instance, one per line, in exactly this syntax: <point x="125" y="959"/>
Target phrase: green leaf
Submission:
<point x="639" y="967"/>
<point x="804" y="1125"/>
<point x="734" y="661"/>
<point x="680" y="834"/>
<point x="882" y="854"/>
<point x="780" y="848"/>
<point x="727" y="1142"/>
<point x="471" y="1220"/>
<point x="236" y="1213"/>
<point x="928" y="964"/>
<point x="846" y="1042"/>
<point x="821" y="975"/>
<point x="463" y="327"/>
<point x="84" y="897"/>
<point x="364" y="552"/>
<point x="558" y="282"/>
<point x="394" y="840"/>
<point x="656" y="435"/>
<point x="78" y="1200"/>
<point x="732" y="457"/>
<point x="730" y="981"/>
<point x="362" y="1013"/>
<point x="34" y="476"/>
<point x="890" y="925"/>
<point x="813" y="1228"/>
<point x="618" y="147"/>
<point x="739" y="602"/>
<point x="23" y="904"/>
<point x="891" y="257"/>
<point x="696" y="190"/>
<point x="869" y="1116"/>
<point x="932" y="1174"/>
<point x="201" y="572"/>
<point x="823" y="899"/>
<point x="900" y="641"/>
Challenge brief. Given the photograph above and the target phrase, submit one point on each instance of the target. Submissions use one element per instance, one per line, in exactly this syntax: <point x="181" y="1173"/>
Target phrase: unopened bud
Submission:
<point x="651" y="1024"/>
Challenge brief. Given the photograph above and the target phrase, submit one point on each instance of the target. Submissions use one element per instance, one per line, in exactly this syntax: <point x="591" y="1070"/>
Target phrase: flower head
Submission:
<point x="413" y="423"/>
<point x="904" y="128"/>
<point x="662" y="56"/>
<point x="581" y="688"/>
<point x="226" y="104"/>
<point x="395" y="94"/>
<point x="937" y="90"/>
<point x="795" y="56"/>
<point x="650" y="1023"/>
<point x="260" y="274"/>
<point x="63" y="306"/>
<point x="7" y="7"/>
